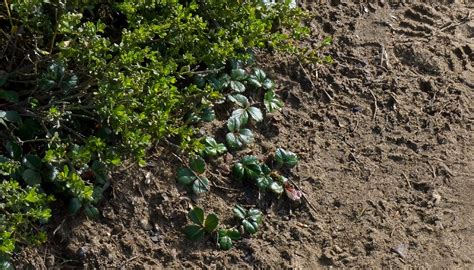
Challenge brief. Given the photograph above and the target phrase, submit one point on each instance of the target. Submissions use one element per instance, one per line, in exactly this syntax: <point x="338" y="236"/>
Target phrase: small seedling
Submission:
<point x="248" y="167"/>
<point x="245" y="109"/>
<point x="225" y="237"/>
<point x="272" y="103"/>
<point x="193" y="176"/>
<point x="285" y="158"/>
<point x="201" y="225"/>
<point x="259" y="79"/>
<point x="251" y="219"/>
<point x="213" y="148"/>
<point x="238" y="137"/>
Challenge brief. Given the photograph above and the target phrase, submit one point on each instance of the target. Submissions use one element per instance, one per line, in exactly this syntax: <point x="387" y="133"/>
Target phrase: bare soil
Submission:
<point x="385" y="139"/>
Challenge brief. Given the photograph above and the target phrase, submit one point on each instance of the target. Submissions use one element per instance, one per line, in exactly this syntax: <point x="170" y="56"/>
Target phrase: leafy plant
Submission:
<point x="251" y="219"/>
<point x="201" y="225"/>
<point x="271" y="102"/>
<point x="259" y="79"/>
<point x="285" y="158"/>
<point x="236" y="79"/>
<point x="213" y="148"/>
<point x="238" y="137"/>
<point x="193" y="176"/>
<point x="245" y="109"/>
<point x="225" y="237"/>
<point x="248" y="167"/>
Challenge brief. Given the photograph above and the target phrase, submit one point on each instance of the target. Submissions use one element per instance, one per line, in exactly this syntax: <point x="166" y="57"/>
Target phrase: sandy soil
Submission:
<point x="386" y="146"/>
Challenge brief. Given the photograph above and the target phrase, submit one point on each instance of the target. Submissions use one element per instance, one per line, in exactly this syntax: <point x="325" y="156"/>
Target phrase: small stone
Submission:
<point x="145" y="225"/>
<point x="338" y="249"/>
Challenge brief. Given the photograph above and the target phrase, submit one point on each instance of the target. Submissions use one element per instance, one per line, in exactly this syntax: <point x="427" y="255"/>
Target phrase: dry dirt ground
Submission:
<point x="386" y="160"/>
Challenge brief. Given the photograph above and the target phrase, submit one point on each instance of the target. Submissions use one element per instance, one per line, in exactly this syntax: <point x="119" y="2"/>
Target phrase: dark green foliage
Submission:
<point x="92" y="93"/>
<point x="201" y="225"/>
<point x="251" y="219"/>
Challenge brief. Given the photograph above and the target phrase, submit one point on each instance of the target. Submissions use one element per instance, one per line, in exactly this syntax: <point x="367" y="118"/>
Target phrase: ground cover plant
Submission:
<point x="84" y="86"/>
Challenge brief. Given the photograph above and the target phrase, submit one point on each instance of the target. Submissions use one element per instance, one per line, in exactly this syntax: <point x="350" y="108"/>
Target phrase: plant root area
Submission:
<point x="385" y="141"/>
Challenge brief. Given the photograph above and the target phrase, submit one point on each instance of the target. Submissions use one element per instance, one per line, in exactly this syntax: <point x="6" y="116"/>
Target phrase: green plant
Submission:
<point x="259" y="79"/>
<point x="248" y="167"/>
<point x="201" y="225"/>
<point x="238" y="136"/>
<point x="84" y="85"/>
<point x="212" y="148"/>
<point x="251" y="219"/>
<point x="225" y="237"/>
<point x="271" y="102"/>
<point x="245" y="109"/>
<point x="193" y="177"/>
<point x="285" y="158"/>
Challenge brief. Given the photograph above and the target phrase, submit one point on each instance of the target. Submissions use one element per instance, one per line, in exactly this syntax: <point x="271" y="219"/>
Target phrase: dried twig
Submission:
<point x="375" y="104"/>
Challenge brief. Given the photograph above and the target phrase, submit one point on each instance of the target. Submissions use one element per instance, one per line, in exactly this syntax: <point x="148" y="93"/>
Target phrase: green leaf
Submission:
<point x="259" y="74"/>
<point x="263" y="182"/>
<point x="31" y="177"/>
<point x="233" y="124"/>
<point x="201" y="185"/>
<point x="245" y="136"/>
<point x="208" y="115"/>
<point x="268" y="84"/>
<point x="10" y="96"/>
<point x="232" y="141"/>
<point x="212" y="148"/>
<point x="194" y="232"/>
<point x="5" y="264"/>
<point x="255" y="215"/>
<point x="238" y="171"/>
<point x="10" y="116"/>
<point x="185" y="176"/>
<point x="197" y="164"/>
<point x="265" y="169"/>
<point x="3" y="78"/>
<point x="241" y="100"/>
<point x="326" y="41"/>
<point x="248" y="167"/>
<point x="233" y="234"/>
<point x="272" y="103"/>
<point x="74" y="206"/>
<point x="285" y="158"/>
<point x="239" y="211"/>
<point x="255" y="113"/>
<point x="14" y="150"/>
<point x="252" y="171"/>
<point x="33" y="162"/>
<point x="211" y="223"/>
<point x="197" y="216"/>
<point x="237" y="74"/>
<point x="225" y="242"/>
<point x="249" y="226"/>
<point x="241" y="114"/>
<point x="276" y="188"/>
<point x="237" y="86"/>
<point x="91" y="212"/>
